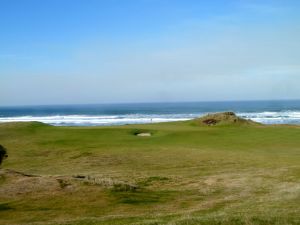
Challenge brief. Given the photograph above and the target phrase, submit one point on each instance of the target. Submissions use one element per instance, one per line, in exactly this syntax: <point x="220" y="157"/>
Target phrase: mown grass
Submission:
<point x="185" y="173"/>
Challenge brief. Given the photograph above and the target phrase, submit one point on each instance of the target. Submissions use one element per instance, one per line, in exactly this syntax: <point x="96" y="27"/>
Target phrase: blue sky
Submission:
<point x="93" y="51"/>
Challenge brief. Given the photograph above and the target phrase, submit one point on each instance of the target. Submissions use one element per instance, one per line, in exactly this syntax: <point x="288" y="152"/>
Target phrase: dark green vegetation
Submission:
<point x="3" y="153"/>
<point x="227" y="172"/>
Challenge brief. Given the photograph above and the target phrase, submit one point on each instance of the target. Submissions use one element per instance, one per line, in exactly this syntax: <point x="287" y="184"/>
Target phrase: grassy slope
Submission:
<point x="187" y="174"/>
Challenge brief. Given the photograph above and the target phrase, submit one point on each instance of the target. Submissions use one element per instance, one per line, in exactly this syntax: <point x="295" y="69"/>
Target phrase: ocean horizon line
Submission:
<point x="150" y="102"/>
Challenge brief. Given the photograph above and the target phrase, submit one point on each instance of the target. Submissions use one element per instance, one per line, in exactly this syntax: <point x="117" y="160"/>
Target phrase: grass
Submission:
<point x="185" y="173"/>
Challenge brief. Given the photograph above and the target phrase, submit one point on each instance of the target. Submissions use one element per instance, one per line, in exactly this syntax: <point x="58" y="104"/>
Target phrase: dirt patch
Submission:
<point x="210" y="121"/>
<point x="18" y="183"/>
<point x="107" y="183"/>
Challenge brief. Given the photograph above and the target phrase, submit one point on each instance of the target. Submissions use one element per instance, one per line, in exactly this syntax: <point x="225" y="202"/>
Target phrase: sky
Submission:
<point x="111" y="51"/>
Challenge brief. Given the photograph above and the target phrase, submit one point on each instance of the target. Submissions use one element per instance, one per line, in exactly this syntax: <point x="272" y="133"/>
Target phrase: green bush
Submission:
<point x="3" y="153"/>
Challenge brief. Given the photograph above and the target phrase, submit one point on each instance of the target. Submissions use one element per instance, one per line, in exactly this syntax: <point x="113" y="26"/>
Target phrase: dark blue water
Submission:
<point x="270" y="112"/>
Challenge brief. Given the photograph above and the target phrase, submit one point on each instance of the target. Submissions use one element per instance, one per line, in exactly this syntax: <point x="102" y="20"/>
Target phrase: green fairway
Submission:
<point x="184" y="173"/>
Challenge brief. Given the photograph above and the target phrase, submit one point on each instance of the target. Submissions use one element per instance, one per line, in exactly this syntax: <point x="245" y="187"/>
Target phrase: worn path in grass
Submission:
<point x="232" y="172"/>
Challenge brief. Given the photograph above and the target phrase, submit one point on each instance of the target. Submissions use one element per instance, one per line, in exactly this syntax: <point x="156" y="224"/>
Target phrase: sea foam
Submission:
<point x="267" y="117"/>
<point x="96" y="120"/>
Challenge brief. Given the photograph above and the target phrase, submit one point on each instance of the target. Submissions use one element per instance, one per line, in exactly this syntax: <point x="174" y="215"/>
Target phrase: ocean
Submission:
<point x="267" y="112"/>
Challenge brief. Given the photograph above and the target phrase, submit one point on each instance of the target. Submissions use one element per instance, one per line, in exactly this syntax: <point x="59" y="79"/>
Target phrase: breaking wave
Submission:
<point x="284" y="117"/>
<point x="95" y="120"/>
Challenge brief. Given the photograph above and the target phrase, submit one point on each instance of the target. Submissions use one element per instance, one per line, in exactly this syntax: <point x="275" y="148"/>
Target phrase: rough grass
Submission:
<point x="223" y="118"/>
<point x="183" y="174"/>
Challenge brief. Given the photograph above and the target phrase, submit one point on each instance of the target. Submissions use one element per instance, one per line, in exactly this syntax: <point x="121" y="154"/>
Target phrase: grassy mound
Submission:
<point x="223" y="118"/>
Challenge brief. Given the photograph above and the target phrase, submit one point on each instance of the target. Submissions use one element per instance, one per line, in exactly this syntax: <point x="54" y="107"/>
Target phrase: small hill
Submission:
<point x="223" y="118"/>
<point x="32" y="124"/>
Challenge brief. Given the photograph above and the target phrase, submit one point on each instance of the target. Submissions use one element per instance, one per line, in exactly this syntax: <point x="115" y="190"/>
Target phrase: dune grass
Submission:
<point x="185" y="173"/>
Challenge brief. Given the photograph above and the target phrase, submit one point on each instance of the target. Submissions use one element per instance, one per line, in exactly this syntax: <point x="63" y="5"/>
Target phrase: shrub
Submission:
<point x="3" y="153"/>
